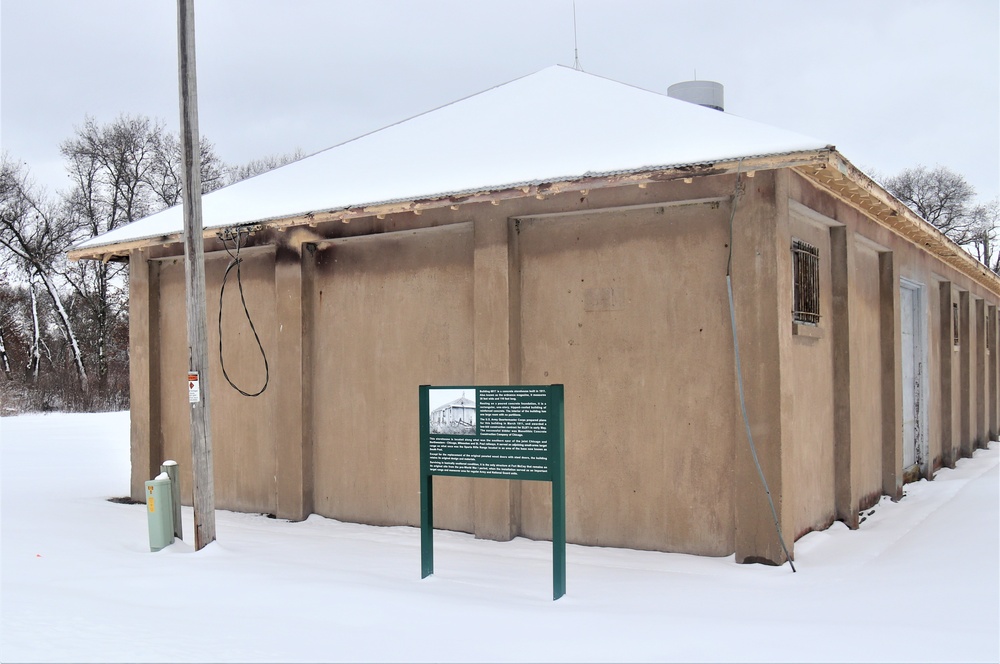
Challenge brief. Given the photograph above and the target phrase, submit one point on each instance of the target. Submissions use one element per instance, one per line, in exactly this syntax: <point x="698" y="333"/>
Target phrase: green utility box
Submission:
<point x="160" y="510"/>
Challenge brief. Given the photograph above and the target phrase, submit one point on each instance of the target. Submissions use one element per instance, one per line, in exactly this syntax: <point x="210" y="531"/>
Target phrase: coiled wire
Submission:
<point x="235" y="262"/>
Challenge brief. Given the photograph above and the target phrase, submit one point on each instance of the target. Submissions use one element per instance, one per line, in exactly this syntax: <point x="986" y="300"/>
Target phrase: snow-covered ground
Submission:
<point x="918" y="582"/>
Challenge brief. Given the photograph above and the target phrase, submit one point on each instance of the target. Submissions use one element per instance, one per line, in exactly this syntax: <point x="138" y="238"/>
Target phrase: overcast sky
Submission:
<point x="891" y="83"/>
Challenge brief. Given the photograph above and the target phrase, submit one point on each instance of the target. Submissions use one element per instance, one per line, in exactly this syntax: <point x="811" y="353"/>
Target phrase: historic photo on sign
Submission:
<point x="452" y="412"/>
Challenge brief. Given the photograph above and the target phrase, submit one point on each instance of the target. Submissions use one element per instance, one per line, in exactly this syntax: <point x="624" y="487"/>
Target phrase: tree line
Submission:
<point x="948" y="201"/>
<point x="63" y="324"/>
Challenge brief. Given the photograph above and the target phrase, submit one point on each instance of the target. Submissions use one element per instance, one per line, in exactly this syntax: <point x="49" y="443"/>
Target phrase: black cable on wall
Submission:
<point x="237" y="237"/>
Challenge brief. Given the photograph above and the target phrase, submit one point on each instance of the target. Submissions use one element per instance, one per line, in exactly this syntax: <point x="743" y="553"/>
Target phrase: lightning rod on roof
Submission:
<point x="576" y="51"/>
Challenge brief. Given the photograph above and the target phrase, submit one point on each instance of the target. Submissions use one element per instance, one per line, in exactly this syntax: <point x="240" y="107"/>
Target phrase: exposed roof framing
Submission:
<point x="849" y="184"/>
<point x="827" y="168"/>
<point x="538" y="190"/>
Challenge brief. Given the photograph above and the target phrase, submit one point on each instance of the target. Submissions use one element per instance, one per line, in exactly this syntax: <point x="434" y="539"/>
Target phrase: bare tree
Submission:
<point x="940" y="196"/>
<point x="985" y="222"/>
<point x="165" y="178"/>
<point x="10" y="325"/>
<point x="4" y="358"/>
<point x="121" y="171"/>
<point x="110" y="167"/>
<point x="35" y="357"/>
<point x="10" y="332"/>
<point x="261" y="165"/>
<point x="947" y="200"/>
<point x="128" y="169"/>
<point x="35" y="238"/>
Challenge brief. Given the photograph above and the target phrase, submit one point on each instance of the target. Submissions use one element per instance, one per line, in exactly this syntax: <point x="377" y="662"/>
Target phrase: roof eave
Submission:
<point x="539" y="188"/>
<point x="846" y="182"/>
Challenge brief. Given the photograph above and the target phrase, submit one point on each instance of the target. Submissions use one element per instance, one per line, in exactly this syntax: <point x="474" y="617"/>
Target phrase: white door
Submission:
<point x="913" y="376"/>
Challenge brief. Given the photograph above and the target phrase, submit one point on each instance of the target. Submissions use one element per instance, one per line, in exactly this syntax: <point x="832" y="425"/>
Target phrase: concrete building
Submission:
<point x="565" y="228"/>
<point x="461" y="411"/>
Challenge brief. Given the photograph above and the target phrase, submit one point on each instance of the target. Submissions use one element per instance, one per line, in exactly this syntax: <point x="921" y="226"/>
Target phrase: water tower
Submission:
<point x="703" y="93"/>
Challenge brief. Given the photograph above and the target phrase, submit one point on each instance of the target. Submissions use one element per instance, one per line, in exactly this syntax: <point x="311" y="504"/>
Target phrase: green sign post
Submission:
<point x="512" y="432"/>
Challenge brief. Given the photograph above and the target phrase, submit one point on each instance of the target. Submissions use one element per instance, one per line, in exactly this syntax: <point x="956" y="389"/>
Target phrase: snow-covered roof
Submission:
<point x="556" y="125"/>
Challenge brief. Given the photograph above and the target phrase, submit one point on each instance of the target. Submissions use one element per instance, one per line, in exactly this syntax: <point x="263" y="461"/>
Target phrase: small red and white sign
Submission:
<point x="194" y="387"/>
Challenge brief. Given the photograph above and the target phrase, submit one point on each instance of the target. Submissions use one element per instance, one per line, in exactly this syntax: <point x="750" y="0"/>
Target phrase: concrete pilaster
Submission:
<point x="290" y="382"/>
<point x="979" y="347"/>
<point x="946" y="350"/>
<point x="991" y="371"/>
<point x="892" y="377"/>
<point x="965" y="375"/>
<point x="144" y="371"/>
<point x="841" y="267"/>
<point x="496" y="501"/>
<point x="760" y="253"/>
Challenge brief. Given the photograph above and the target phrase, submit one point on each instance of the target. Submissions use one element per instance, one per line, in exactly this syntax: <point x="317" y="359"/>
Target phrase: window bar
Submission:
<point x="806" y="282"/>
<point x="955" y="324"/>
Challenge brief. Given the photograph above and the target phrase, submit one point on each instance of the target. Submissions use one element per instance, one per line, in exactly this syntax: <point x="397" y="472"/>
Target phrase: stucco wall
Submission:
<point x="619" y="294"/>
<point x="391" y="312"/>
<point x="957" y="403"/>
<point x="866" y="373"/>
<point x="807" y="392"/>
<point x="629" y="311"/>
<point x="243" y="444"/>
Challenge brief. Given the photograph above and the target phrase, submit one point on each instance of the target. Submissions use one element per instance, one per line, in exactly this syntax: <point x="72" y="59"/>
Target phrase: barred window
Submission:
<point x="955" y="325"/>
<point x="805" y="279"/>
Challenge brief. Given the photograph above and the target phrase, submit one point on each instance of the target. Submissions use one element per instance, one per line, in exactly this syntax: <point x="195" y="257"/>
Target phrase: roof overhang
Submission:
<point x="827" y="168"/>
<point x="845" y="181"/>
<point x="495" y="196"/>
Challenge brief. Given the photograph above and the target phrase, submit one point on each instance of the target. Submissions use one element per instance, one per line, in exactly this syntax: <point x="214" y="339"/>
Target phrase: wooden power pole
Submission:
<point x="194" y="271"/>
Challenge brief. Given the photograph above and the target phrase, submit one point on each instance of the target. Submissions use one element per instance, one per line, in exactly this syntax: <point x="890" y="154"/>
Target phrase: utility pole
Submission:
<point x="194" y="272"/>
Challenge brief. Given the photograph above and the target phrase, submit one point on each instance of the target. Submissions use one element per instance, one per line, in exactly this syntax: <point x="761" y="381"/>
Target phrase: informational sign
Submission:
<point x="510" y="432"/>
<point x="505" y="433"/>
<point x="194" y="387"/>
